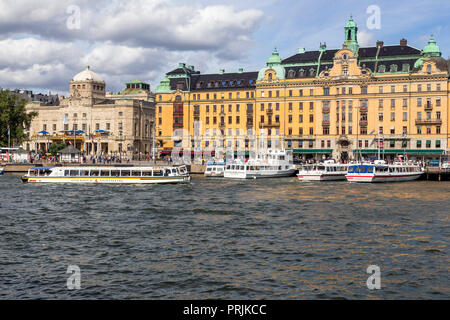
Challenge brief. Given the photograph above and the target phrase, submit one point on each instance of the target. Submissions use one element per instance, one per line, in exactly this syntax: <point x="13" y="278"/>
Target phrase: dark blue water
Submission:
<point x="219" y="239"/>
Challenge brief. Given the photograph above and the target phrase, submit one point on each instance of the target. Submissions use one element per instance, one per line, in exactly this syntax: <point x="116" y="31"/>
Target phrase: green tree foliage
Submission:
<point x="13" y="117"/>
<point x="56" y="147"/>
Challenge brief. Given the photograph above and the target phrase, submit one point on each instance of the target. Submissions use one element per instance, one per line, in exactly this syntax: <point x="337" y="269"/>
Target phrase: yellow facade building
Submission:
<point x="343" y="103"/>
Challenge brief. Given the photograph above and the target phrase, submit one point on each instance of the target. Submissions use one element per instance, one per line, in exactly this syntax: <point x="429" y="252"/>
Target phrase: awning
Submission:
<point x="313" y="151"/>
<point x="401" y="151"/>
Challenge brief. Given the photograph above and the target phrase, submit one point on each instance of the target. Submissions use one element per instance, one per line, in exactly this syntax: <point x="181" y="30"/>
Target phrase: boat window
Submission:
<point x="74" y="173"/>
<point x="125" y="173"/>
<point x="135" y="173"/>
<point x="157" y="173"/>
<point x="280" y="168"/>
<point x="208" y="169"/>
<point x="84" y="173"/>
<point x="258" y="168"/>
<point x="228" y="167"/>
<point x="115" y="173"/>
<point x="242" y="168"/>
<point x="105" y="173"/>
<point x="94" y="173"/>
<point x="66" y="173"/>
<point x="146" y="173"/>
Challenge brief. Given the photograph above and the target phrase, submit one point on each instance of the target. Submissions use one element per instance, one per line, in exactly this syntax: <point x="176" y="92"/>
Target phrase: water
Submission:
<point x="219" y="239"/>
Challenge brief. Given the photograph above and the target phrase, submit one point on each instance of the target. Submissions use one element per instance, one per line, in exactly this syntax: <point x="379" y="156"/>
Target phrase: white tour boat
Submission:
<point x="329" y="170"/>
<point x="271" y="164"/>
<point x="2" y="170"/>
<point x="114" y="175"/>
<point x="215" y="169"/>
<point x="380" y="171"/>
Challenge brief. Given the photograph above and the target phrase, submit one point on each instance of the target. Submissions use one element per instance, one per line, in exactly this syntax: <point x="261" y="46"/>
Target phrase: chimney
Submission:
<point x="222" y="71"/>
<point x="241" y="70"/>
<point x="403" y="42"/>
<point x="181" y="65"/>
<point x="301" y="50"/>
<point x="192" y="68"/>
<point x="380" y="44"/>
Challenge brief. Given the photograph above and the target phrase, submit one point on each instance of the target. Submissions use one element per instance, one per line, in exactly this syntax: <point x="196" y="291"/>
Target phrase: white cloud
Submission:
<point x="366" y="39"/>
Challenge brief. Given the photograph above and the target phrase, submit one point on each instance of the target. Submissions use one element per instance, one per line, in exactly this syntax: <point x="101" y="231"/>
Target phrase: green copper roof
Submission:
<point x="164" y="86"/>
<point x="274" y="59"/>
<point x="432" y="49"/>
<point x="136" y="81"/>
<point x="351" y="23"/>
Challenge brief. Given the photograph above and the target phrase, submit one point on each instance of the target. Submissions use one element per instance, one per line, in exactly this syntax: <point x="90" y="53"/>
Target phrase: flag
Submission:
<point x="380" y="144"/>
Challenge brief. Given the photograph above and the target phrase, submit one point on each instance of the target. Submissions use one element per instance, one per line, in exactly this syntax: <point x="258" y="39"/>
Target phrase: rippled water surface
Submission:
<point x="219" y="239"/>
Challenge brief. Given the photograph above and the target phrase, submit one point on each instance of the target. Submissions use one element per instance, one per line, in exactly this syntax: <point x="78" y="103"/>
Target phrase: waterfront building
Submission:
<point x="342" y="103"/>
<point x="96" y="122"/>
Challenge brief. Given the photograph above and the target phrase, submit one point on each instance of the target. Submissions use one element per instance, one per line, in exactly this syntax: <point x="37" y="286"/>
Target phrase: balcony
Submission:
<point x="428" y="106"/>
<point x="428" y="121"/>
<point x="325" y="109"/>
<point x="363" y="123"/>
<point x="269" y="111"/>
<point x="269" y="125"/>
<point x="326" y="123"/>
<point x="363" y="108"/>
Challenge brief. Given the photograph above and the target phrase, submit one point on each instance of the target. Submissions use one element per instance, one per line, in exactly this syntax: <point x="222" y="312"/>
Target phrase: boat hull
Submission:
<point x="106" y="180"/>
<point x="259" y="174"/>
<point x="383" y="178"/>
<point x="321" y="177"/>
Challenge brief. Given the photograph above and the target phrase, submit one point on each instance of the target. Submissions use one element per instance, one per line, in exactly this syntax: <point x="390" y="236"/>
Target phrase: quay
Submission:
<point x="19" y="168"/>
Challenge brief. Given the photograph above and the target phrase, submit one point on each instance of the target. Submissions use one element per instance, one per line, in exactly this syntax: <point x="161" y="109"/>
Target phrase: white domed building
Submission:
<point x="94" y="122"/>
<point x="88" y="86"/>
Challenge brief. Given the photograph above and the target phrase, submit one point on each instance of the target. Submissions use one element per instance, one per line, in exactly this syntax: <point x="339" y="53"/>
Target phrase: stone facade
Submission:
<point x="94" y="122"/>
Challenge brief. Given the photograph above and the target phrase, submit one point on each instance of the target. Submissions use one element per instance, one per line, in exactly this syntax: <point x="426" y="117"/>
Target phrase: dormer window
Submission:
<point x="209" y="84"/>
<point x="393" y="68"/>
<point x="302" y="73"/>
<point x="250" y="81"/>
<point x="429" y="68"/>
<point x="239" y="82"/>
<point x="231" y="82"/>
<point x="291" y="73"/>
<point x="344" y="56"/>
<point x="382" y="69"/>
<point x="216" y="84"/>
<point x="270" y="77"/>
<point x="198" y="85"/>
<point x="311" y="72"/>
<point x="405" y="67"/>
<point x="224" y="83"/>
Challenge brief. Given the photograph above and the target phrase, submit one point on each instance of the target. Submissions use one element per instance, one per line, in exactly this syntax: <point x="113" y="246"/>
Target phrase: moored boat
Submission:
<point x="215" y="169"/>
<point x="380" y="171"/>
<point x="2" y="170"/>
<point x="329" y="170"/>
<point x="111" y="175"/>
<point x="271" y="164"/>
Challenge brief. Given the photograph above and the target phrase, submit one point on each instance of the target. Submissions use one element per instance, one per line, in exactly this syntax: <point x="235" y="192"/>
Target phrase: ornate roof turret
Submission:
<point x="351" y="35"/>
<point x="431" y="49"/>
<point x="164" y="86"/>
<point x="274" y="59"/>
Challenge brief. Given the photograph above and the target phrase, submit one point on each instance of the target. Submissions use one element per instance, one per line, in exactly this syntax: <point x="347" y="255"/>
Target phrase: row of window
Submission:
<point x="83" y="126"/>
<point x="224" y="83"/>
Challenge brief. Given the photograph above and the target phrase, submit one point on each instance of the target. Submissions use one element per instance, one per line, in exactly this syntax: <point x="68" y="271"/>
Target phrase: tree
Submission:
<point x="56" y="147"/>
<point x="13" y="118"/>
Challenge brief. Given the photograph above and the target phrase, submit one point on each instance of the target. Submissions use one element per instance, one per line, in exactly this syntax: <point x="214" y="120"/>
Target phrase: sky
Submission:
<point x="45" y="43"/>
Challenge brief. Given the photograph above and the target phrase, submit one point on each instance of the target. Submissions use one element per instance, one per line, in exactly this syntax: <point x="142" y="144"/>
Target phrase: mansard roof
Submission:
<point x="224" y="81"/>
<point x="363" y="53"/>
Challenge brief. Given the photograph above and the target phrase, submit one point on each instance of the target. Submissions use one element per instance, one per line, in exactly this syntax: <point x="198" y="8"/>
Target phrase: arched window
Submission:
<point x="311" y="72"/>
<point x="178" y="98"/>
<point x="429" y="68"/>
<point x="302" y="73"/>
<point x="270" y="77"/>
<point x="291" y="73"/>
<point x="381" y="68"/>
<point x="393" y="68"/>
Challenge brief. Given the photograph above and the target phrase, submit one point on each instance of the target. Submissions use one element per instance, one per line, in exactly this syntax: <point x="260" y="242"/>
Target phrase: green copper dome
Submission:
<point x="351" y="23"/>
<point x="431" y="49"/>
<point x="274" y="59"/>
<point x="164" y="86"/>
